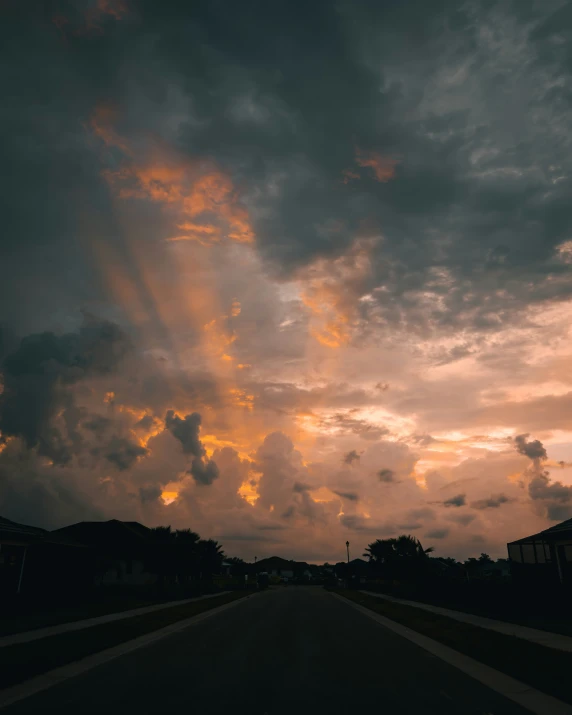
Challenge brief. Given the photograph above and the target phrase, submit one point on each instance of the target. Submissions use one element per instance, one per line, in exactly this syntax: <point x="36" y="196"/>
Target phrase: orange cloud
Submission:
<point x="331" y="289"/>
<point x="169" y="497"/>
<point x="90" y="20"/>
<point x="349" y="175"/>
<point x="115" y="8"/>
<point x="249" y="492"/>
<point x="167" y="290"/>
<point x="204" y="200"/>
<point x="383" y="167"/>
<point x="101" y="124"/>
<point x="241" y="398"/>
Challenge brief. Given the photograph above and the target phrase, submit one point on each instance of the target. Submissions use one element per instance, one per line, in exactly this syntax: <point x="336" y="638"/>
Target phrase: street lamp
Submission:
<point x="348" y="550"/>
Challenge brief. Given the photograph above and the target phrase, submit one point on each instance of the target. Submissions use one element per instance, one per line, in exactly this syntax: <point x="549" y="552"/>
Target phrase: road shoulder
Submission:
<point x="29" y="668"/>
<point x="415" y="625"/>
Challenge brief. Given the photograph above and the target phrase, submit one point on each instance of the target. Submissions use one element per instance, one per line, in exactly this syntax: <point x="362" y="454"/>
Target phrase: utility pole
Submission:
<point x="22" y="570"/>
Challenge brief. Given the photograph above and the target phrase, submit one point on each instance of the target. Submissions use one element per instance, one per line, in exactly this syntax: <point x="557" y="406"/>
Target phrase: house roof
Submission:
<point x="562" y="530"/>
<point x="113" y="532"/>
<point x="276" y="562"/>
<point x="11" y="529"/>
<point x="558" y="528"/>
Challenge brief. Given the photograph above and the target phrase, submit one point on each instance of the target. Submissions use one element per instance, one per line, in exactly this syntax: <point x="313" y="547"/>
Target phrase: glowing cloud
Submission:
<point x="383" y="167"/>
<point x="203" y="199"/>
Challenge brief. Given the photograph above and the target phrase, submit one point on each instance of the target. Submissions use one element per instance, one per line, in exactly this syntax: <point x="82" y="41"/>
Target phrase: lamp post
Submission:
<point x="348" y="550"/>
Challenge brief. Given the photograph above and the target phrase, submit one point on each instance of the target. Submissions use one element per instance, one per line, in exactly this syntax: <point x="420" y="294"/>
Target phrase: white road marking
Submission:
<point x="58" y="675"/>
<point x="527" y="697"/>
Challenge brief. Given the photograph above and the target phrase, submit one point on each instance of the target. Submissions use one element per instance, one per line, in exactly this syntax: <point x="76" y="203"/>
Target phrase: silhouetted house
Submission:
<point x="14" y="542"/>
<point x="359" y="570"/>
<point x="35" y="562"/>
<point x="545" y="557"/>
<point x="125" y="550"/>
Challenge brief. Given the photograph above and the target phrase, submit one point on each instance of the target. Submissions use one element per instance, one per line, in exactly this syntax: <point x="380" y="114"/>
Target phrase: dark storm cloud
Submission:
<point x="533" y="449"/>
<point x="355" y="522"/>
<point x="351" y="457"/>
<point x="554" y="499"/>
<point x="386" y="475"/>
<point x="145" y="422"/>
<point x="186" y="431"/>
<point x="38" y="376"/>
<point x="97" y="424"/>
<point x="32" y="493"/>
<point x="456" y="501"/>
<point x="492" y="502"/>
<point x="271" y="527"/>
<point x="123" y="452"/>
<point x="410" y="525"/>
<point x="346" y="423"/>
<point x="451" y="120"/>
<point x="300" y="487"/>
<point x="149" y="494"/>
<point x="350" y="496"/>
<point x="437" y="534"/>
<point x="479" y="196"/>
<point x="424" y="513"/>
<point x="203" y="471"/>
<point x="462" y="519"/>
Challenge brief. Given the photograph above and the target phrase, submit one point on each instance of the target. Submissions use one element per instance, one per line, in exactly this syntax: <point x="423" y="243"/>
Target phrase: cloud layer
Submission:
<point x="288" y="282"/>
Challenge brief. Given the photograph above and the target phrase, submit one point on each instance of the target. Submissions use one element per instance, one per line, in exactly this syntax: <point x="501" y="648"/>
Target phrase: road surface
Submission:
<point x="288" y="650"/>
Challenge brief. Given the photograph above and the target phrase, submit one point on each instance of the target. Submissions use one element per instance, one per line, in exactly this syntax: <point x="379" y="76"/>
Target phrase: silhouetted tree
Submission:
<point x="449" y="560"/>
<point x="400" y="558"/>
<point x="163" y="556"/>
<point x="186" y="555"/>
<point x="238" y="567"/>
<point x="485" y="559"/>
<point x="211" y="556"/>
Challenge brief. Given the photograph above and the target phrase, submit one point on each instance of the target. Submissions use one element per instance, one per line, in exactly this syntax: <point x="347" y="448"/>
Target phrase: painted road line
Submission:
<point x="526" y="696"/>
<point x="58" y="675"/>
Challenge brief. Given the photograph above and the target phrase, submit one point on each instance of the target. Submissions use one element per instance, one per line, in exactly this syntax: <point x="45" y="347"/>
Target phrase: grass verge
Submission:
<point x="543" y="668"/>
<point x="26" y="660"/>
<point x="548" y="615"/>
<point x="12" y="623"/>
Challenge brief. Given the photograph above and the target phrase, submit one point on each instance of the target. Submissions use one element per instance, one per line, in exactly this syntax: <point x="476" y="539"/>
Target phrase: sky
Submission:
<point x="289" y="274"/>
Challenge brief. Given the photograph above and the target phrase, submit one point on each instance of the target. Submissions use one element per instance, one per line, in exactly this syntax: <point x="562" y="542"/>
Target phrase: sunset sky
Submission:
<point x="288" y="273"/>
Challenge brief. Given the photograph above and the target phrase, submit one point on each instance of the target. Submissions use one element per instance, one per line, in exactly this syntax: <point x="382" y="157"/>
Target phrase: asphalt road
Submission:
<point x="288" y="650"/>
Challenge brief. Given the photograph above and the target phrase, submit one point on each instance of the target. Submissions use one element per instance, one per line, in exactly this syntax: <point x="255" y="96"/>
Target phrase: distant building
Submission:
<point x="546" y="556"/>
<point x="488" y="570"/>
<point x="359" y="570"/>
<point x="283" y="569"/>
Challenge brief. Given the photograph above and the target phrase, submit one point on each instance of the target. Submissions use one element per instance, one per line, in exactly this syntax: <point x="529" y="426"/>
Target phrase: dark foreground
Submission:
<point x="290" y="650"/>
